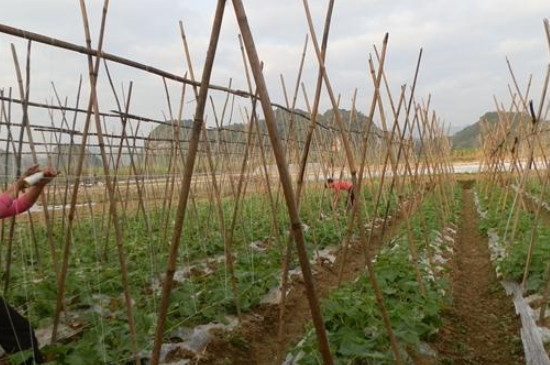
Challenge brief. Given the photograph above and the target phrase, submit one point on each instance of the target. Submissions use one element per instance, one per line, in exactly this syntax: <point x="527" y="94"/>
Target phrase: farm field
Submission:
<point x="240" y="203"/>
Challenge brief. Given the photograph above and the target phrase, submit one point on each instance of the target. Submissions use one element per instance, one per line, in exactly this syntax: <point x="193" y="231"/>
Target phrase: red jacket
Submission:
<point x="340" y="185"/>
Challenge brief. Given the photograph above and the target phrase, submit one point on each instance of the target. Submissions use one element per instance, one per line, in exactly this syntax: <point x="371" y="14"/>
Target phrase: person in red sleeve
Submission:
<point x="16" y="333"/>
<point x="339" y="186"/>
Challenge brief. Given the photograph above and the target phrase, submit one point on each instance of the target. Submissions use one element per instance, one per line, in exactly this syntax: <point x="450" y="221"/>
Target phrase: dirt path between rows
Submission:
<point x="255" y="341"/>
<point x="480" y="327"/>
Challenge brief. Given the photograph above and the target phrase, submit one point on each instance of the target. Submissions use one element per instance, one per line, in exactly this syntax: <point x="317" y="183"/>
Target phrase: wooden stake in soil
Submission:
<point x="74" y="197"/>
<point x="186" y="183"/>
<point x="24" y="94"/>
<point x="285" y="180"/>
<point x="394" y="165"/>
<point x="227" y="235"/>
<point x="301" y="174"/>
<point x="113" y="209"/>
<point x="356" y="187"/>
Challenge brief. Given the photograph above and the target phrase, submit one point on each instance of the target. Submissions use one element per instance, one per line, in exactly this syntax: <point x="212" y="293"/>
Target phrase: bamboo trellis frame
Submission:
<point x="200" y="153"/>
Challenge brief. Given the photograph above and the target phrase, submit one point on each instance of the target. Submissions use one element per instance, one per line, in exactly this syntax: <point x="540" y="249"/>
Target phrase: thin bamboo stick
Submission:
<point x="261" y="145"/>
<point x="394" y="162"/>
<point x="534" y="230"/>
<point x="11" y="233"/>
<point x="110" y="184"/>
<point x="535" y="128"/>
<point x="547" y="31"/>
<point x="24" y="92"/>
<point x="71" y="143"/>
<point x="284" y="175"/>
<point x="186" y="183"/>
<point x="74" y="197"/>
<point x="406" y="126"/>
<point x="356" y="187"/>
<point x="227" y="235"/>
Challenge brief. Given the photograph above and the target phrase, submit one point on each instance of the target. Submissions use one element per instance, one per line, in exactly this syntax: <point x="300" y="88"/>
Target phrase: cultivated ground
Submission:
<point x="479" y="326"/>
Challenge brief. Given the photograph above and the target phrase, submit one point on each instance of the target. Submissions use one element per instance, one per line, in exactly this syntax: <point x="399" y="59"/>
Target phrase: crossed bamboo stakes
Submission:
<point x="410" y="148"/>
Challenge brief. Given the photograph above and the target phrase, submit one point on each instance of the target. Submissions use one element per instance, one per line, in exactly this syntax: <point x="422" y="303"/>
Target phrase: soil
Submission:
<point x="480" y="326"/>
<point x="256" y="339"/>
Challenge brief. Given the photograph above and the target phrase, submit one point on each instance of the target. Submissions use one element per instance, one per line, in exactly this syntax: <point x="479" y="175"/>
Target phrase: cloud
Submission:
<point x="464" y="44"/>
<point x="518" y="46"/>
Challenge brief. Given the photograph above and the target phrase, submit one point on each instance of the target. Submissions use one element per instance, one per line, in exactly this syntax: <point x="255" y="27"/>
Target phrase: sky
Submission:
<point x="465" y="45"/>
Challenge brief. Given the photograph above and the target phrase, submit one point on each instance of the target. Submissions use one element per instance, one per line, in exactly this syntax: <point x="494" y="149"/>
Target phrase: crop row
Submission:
<point x="355" y="327"/>
<point x="95" y="320"/>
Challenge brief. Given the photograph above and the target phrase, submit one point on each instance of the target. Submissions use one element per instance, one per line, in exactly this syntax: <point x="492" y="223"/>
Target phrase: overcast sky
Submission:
<point x="465" y="44"/>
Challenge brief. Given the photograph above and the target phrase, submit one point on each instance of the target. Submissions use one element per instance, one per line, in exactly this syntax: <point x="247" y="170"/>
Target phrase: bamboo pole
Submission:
<point x="3" y="114"/>
<point x="110" y="184"/>
<point x="31" y="36"/>
<point x="292" y="106"/>
<point x="24" y="92"/>
<point x="227" y="235"/>
<point x="394" y="111"/>
<point x="172" y="162"/>
<point x="378" y="194"/>
<point x="301" y="174"/>
<point x="284" y="175"/>
<point x="544" y="183"/>
<point x="139" y="187"/>
<point x="71" y="144"/>
<point x="356" y="187"/>
<point x="168" y="187"/>
<point x="535" y="128"/>
<point x="547" y="31"/>
<point x="116" y="114"/>
<point x="534" y="230"/>
<point x="254" y="118"/>
<point x="74" y="197"/>
<point x="404" y="131"/>
<point x="223" y="150"/>
<point x="17" y="153"/>
<point x="394" y="162"/>
<point x="186" y="183"/>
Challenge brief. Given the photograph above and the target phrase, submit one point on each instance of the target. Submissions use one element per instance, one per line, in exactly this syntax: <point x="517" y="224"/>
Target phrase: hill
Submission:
<point x="292" y="128"/>
<point x="470" y="137"/>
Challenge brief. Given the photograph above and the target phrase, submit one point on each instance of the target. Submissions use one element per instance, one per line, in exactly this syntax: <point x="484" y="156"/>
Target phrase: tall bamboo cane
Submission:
<point x="113" y="209"/>
<point x="74" y="197"/>
<point x="356" y="187"/>
<point x="394" y="162"/>
<point x="227" y="235"/>
<point x="24" y="92"/>
<point x="186" y="183"/>
<point x="285" y="180"/>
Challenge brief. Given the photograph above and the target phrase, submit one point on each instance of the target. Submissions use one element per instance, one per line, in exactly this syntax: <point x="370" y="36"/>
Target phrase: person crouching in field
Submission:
<point x="16" y="333"/>
<point x="338" y="187"/>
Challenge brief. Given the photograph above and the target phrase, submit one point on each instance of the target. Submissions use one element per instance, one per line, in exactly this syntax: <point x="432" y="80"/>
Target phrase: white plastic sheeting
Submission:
<point x="533" y="336"/>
